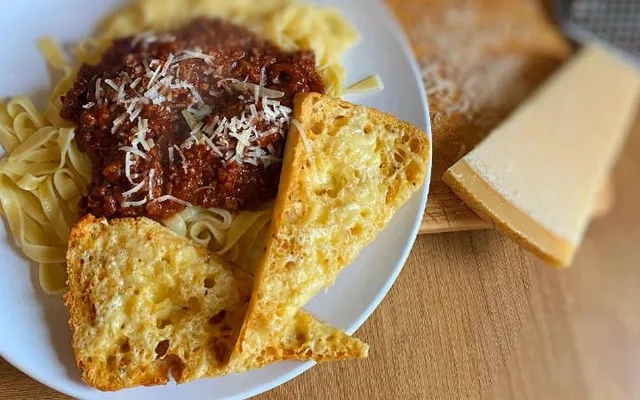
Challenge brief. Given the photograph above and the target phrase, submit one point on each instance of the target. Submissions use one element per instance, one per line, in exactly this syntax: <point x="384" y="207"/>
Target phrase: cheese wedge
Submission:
<point x="347" y="170"/>
<point x="538" y="175"/>
<point x="145" y="302"/>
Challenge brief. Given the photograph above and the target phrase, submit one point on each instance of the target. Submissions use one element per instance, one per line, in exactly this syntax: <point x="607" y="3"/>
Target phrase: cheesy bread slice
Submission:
<point x="347" y="169"/>
<point x="145" y="303"/>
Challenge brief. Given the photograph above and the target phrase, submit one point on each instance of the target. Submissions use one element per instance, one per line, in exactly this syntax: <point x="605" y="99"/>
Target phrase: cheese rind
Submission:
<point x="537" y="176"/>
<point x="482" y="198"/>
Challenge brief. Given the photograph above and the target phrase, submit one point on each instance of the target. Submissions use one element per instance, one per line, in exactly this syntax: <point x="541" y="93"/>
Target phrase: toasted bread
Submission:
<point x="146" y="302"/>
<point x="347" y="169"/>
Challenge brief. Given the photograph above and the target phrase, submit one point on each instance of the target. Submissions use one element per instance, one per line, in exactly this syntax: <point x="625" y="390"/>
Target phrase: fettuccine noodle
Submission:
<point x="43" y="174"/>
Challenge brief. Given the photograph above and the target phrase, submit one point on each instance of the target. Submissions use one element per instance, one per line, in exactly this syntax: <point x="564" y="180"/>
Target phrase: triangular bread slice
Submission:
<point x="146" y="302"/>
<point x="347" y="169"/>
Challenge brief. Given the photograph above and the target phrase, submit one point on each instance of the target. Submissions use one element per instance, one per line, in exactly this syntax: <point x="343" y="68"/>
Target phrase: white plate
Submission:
<point x="33" y="327"/>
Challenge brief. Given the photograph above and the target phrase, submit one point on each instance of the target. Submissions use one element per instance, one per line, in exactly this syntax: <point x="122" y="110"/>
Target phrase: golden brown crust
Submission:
<point x="145" y="303"/>
<point x="346" y="158"/>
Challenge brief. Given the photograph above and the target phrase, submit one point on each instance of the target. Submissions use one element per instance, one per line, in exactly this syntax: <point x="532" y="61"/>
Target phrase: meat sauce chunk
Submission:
<point x="194" y="116"/>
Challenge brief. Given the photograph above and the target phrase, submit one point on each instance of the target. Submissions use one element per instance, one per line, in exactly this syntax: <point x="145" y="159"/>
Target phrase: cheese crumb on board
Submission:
<point x="538" y="175"/>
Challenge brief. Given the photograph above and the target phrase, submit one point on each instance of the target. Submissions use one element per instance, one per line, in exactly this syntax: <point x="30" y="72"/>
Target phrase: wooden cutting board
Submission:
<point x="479" y="60"/>
<point x="446" y="213"/>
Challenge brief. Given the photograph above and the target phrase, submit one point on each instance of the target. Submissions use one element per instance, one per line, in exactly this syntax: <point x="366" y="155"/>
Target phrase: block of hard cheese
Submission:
<point x="538" y="174"/>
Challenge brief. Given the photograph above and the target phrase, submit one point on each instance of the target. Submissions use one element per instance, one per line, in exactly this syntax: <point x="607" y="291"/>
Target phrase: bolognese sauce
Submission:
<point x="194" y="116"/>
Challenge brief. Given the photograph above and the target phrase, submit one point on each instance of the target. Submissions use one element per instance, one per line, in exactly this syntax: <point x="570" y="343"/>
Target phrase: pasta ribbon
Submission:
<point x="43" y="173"/>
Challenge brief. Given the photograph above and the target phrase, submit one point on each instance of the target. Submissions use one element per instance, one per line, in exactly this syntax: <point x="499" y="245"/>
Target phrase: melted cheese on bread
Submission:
<point x="347" y="170"/>
<point x="146" y="302"/>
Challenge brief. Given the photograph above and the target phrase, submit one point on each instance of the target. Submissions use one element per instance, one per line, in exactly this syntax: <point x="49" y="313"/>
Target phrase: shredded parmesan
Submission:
<point x="303" y="136"/>
<point x="135" y="82"/>
<point x="128" y="163"/>
<point x="111" y="83"/>
<point x="132" y="150"/>
<point x="118" y="121"/>
<point x="465" y="74"/>
<point x="168" y="197"/>
<point x="263" y="82"/>
<point x="197" y="53"/>
<point x="138" y="203"/>
<point x="181" y="154"/>
<point x="120" y="96"/>
<point x="135" y="113"/>
<point x="167" y="64"/>
<point x="134" y="189"/>
<point x="152" y="174"/>
<point x="98" y="91"/>
<point x="153" y="76"/>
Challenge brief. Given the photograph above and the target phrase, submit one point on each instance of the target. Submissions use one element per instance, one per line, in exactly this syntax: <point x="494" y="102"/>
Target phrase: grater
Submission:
<point x="612" y="24"/>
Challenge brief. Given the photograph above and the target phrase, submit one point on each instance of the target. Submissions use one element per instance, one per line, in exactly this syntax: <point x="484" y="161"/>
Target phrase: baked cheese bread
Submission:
<point x="145" y="302"/>
<point x="347" y="169"/>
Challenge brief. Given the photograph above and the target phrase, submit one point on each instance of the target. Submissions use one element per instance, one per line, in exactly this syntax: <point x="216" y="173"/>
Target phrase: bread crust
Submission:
<point x="286" y="278"/>
<point x="186" y="328"/>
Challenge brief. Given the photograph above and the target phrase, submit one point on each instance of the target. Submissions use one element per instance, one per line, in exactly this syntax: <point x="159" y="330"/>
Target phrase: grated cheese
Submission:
<point x="197" y="54"/>
<point x="132" y="150"/>
<point x="464" y="74"/>
<point x="168" y="197"/>
<point x="303" y="136"/>
<point x="153" y="77"/>
<point x="120" y="96"/>
<point x="135" y="113"/>
<point x="263" y="81"/>
<point x="134" y="189"/>
<point x="214" y="134"/>
<point x="167" y="64"/>
<point x="118" y="121"/>
<point x="135" y="83"/>
<point x="127" y="204"/>
<point x="128" y="163"/>
<point x="181" y="154"/>
<point x="98" y="91"/>
<point x="152" y="174"/>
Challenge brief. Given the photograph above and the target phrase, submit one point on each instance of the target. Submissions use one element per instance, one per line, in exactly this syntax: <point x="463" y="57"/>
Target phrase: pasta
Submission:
<point x="43" y="173"/>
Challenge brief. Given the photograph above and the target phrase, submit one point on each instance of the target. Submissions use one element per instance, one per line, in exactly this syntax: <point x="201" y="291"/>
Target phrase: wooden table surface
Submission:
<point x="472" y="315"/>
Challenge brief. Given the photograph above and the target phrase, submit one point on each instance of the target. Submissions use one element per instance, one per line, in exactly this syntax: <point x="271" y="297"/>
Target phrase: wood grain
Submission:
<point x="473" y="316"/>
<point x="582" y="340"/>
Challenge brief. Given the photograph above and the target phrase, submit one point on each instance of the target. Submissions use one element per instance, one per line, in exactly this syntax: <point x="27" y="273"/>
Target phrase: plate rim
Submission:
<point x="394" y="27"/>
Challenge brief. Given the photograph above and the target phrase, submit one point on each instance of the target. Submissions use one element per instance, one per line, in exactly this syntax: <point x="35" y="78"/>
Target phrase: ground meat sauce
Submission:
<point x="195" y="116"/>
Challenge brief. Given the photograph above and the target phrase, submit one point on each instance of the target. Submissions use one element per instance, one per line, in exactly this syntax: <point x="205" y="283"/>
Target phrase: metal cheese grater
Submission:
<point x="615" y="24"/>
